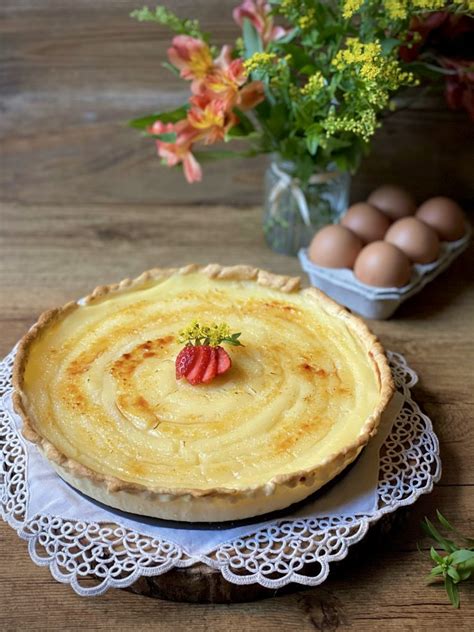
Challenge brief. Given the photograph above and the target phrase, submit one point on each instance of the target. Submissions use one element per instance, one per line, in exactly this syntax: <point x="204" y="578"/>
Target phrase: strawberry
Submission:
<point x="185" y="361"/>
<point x="203" y="355"/>
<point x="202" y="358"/>
<point x="211" y="369"/>
<point x="223" y="361"/>
<point x="201" y="363"/>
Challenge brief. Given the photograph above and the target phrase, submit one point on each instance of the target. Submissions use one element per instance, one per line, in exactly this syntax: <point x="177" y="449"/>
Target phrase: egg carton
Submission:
<point x="378" y="303"/>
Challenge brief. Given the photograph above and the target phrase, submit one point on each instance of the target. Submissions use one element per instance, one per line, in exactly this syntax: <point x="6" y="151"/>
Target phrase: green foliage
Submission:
<point x="166" y="137"/>
<point x="244" y="128"/>
<point x="173" y="116"/>
<point x="208" y="155"/>
<point x="458" y="563"/>
<point x="252" y="40"/>
<point x="327" y="81"/>
<point x="164" y="16"/>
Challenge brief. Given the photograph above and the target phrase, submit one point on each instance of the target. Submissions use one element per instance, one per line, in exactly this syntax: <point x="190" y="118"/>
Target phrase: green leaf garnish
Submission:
<point x="455" y="567"/>
<point x="453" y="592"/>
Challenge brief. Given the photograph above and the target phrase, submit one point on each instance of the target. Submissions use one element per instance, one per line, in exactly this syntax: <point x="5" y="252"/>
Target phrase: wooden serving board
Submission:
<point x="203" y="584"/>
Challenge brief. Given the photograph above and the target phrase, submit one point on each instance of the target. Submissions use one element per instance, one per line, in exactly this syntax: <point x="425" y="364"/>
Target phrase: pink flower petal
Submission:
<point x="251" y="95"/>
<point x="192" y="169"/>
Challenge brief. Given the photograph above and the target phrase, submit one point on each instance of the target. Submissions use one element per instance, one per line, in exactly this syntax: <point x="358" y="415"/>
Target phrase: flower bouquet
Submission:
<point x="307" y="82"/>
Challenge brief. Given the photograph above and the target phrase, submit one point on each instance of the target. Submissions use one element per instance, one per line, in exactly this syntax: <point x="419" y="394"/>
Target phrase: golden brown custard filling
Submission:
<point x="100" y="385"/>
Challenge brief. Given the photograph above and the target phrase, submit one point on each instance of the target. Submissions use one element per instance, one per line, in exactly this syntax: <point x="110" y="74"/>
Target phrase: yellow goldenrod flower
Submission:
<point x="396" y="9"/>
<point x="369" y="71"/>
<point x="307" y="21"/>
<point x="368" y="63"/>
<point x="304" y="22"/>
<point x="467" y="4"/>
<point x="259" y="61"/>
<point x="350" y="7"/>
<point x="429" y="5"/>
<point x="357" y="52"/>
<point x="313" y="85"/>
<point x="364" y="125"/>
<point x="287" y="5"/>
<point x="367" y="57"/>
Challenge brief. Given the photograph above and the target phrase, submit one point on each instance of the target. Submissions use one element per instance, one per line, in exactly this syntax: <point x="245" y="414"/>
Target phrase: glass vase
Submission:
<point x="293" y="212"/>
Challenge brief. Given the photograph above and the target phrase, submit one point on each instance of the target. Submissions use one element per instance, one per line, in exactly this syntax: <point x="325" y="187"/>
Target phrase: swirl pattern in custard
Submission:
<point x="101" y="386"/>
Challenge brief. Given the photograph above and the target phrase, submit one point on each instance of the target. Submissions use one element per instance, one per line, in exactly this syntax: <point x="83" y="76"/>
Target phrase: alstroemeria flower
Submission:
<point x="446" y="37"/>
<point x="460" y="87"/>
<point x="162" y="128"/>
<point x="210" y="118"/>
<point x="226" y="80"/>
<point x="258" y="12"/>
<point x="250" y="95"/>
<point x="421" y="28"/>
<point x="180" y="150"/>
<point x="192" y="57"/>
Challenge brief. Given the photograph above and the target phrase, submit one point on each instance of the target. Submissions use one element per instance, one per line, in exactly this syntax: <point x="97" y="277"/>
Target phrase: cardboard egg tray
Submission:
<point x="372" y="302"/>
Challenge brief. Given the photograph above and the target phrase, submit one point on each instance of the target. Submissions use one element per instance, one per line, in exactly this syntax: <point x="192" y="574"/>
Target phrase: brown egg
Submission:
<point x="393" y="201"/>
<point x="418" y="241"/>
<point x="383" y="265"/>
<point x="366" y="222"/>
<point x="334" y="246"/>
<point x="444" y="216"/>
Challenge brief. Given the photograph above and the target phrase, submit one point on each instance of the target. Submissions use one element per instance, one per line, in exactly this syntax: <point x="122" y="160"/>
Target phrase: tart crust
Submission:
<point x="219" y="503"/>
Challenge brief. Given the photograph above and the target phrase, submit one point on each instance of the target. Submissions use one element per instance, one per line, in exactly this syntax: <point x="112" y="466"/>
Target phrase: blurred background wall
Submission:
<point x="73" y="73"/>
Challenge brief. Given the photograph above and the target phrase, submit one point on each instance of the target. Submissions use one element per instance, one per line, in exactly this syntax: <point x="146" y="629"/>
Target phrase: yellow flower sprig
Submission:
<point x="367" y="60"/>
<point x="319" y="75"/>
<point x="363" y="125"/>
<point x="260" y="62"/>
<point x="400" y="9"/>
<point x="212" y="335"/>
<point x="307" y="21"/>
<point x="368" y="57"/>
<point x="350" y="7"/>
<point x="313" y="85"/>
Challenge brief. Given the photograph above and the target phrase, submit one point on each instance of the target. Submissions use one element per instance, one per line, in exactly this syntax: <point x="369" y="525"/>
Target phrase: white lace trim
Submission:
<point x="273" y="556"/>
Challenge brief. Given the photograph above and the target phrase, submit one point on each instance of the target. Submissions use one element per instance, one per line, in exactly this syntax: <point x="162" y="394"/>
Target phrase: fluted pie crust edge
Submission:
<point x="214" y="504"/>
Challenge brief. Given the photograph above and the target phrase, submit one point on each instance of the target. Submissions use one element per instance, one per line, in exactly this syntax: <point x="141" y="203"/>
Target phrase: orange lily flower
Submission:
<point x="162" y="128"/>
<point x="251" y="95"/>
<point x="210" y="118"/>
<point x="258" y="12"/>
<point x="192" y="57"/>
<point x="226" y="81"/>
<point x="180" y="150"/>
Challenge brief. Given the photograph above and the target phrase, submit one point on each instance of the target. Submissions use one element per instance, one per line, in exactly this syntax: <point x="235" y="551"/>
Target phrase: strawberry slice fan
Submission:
<point x="203" y="357"/>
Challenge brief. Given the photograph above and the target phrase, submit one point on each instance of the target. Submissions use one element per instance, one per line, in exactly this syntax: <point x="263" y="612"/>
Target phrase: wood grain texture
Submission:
<point x="51" y="254"/>
<point x="83" y="202"/>
<point x="72" y="74"/>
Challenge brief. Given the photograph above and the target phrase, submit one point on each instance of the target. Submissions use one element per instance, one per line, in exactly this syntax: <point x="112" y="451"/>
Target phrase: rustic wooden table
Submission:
<point x="83" y="202"/>
<point x="53" y="253"/>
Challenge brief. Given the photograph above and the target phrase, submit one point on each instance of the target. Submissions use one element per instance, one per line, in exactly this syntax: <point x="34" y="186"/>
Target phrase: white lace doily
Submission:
<point x="272" y="556"/>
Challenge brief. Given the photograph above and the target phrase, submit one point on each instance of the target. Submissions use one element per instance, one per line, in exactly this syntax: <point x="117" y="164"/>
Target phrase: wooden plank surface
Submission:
<point x="72" y="74"/>
<point x="51" y="254"/>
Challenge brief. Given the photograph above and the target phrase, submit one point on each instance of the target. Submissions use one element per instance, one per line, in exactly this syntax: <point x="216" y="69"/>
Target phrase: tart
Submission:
<point x="95" y="384"/>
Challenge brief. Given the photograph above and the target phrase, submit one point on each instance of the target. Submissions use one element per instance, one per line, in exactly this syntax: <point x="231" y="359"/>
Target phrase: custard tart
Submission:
<point x="96" y="386"/>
